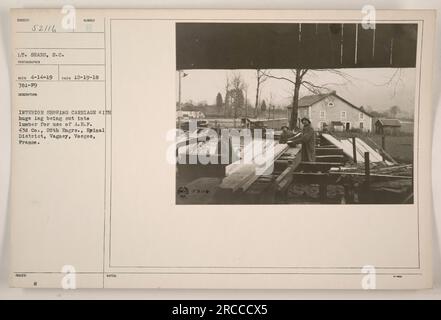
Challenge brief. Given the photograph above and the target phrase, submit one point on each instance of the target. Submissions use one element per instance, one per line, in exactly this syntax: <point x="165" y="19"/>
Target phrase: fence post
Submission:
<point x="367" y="173"/>
<point x="354" y="149"/>
<point x="367" y="169"/>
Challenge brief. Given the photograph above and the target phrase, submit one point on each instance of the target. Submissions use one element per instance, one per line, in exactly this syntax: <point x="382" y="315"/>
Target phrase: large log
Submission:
<point x="279" y="149"/>
<point x="249" y="154"/>
<point x="240" y="176"/>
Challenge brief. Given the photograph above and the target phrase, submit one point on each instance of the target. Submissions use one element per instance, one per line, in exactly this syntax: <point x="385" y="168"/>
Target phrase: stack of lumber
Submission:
<point x="241" y="174"/>
<point x="199" y="148"/>
<point x="251" y="153"/>
<point x="201" y="143"/>
<point x="361" y="147"/>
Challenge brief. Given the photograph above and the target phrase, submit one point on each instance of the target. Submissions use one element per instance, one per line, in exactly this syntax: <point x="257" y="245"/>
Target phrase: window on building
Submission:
<point x="343" y="114"/>
<point x="361" y="115"/>
<point x="330" y="104"/>
<point x="322" y="114"/>
<point x="361" y="125"/>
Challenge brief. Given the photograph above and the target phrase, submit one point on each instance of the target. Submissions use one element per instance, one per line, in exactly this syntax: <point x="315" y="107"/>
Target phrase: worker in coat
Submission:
<point x="307" y="139"/>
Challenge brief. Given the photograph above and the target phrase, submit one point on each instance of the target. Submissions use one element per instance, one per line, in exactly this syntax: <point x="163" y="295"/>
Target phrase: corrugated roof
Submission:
<point x="390" y="122"/>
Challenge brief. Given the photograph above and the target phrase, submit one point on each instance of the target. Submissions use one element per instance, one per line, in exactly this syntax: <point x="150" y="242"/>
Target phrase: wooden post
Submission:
<point x="367" y="183"/>
<point x="187" y="150"/>
<point x="367" y="169"/>
<point x="230" y="150"/>
<point x="177" y="151"/>
<point x="354" y="149"/>
<point x="219" y="150"/>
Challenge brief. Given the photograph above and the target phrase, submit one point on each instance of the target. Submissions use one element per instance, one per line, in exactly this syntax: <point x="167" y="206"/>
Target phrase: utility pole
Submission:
<point x="181" y="75"/>
<point x="179" y="99"/>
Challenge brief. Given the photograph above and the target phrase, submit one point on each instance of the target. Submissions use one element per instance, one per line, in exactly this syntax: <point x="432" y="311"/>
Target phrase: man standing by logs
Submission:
<point x="307" y="139"/>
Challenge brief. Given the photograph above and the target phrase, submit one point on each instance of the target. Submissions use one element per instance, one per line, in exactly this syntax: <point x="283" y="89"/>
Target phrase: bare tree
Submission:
<point x="394" y="111"/>
<point x="245" y="88"/>
<point x="227" y="89"/>
<point x="238" y="86"/>
<point x="261" y="77"/>
<point x="298" y="80"/>
<point x="219" y="101"/>
<point x="263" y="106"/>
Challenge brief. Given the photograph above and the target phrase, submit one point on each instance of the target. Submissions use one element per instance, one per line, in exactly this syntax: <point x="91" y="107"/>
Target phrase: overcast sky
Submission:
<point x="379" y="88"/>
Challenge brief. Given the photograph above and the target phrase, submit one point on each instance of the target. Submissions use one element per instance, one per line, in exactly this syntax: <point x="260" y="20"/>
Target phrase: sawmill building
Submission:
<point x="329" y="111"/>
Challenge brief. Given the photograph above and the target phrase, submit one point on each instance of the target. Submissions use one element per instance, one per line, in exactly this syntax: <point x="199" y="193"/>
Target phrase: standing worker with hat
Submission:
<point x="307" y="139"/>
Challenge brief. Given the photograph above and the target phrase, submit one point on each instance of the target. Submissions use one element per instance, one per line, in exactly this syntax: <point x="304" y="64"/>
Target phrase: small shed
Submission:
<point x="387" y="126"/>
<point x="407" y="126"/>
<point x="337" y="126"/>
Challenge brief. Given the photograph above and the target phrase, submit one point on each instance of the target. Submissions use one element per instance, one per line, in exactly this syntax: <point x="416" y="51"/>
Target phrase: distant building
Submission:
<point x="190" y="112"/>
<point x="332" y="112"/>
<point x="406" y="126"/>
<point x="387" y="126"/>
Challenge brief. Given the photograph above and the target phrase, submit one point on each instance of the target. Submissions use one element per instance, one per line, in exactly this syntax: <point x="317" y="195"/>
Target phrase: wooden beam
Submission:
<point x="251" y="149"/>
<point x="317" y="166"/>
<point x="235" y="180"/>
<point x="285" y="178"/>
<point x="358" y="174"/>
<point x="240" y="176"/>
<point x="330" y="158"/>
<point x="279" y="150"/>
<point x="336" y="177"/>
<point x="323" y="151"/>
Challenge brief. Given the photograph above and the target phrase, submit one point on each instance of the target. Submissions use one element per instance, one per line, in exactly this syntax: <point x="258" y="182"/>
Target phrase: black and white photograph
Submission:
<point x="295" y="113"/>
<point x="229" y="151"/>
